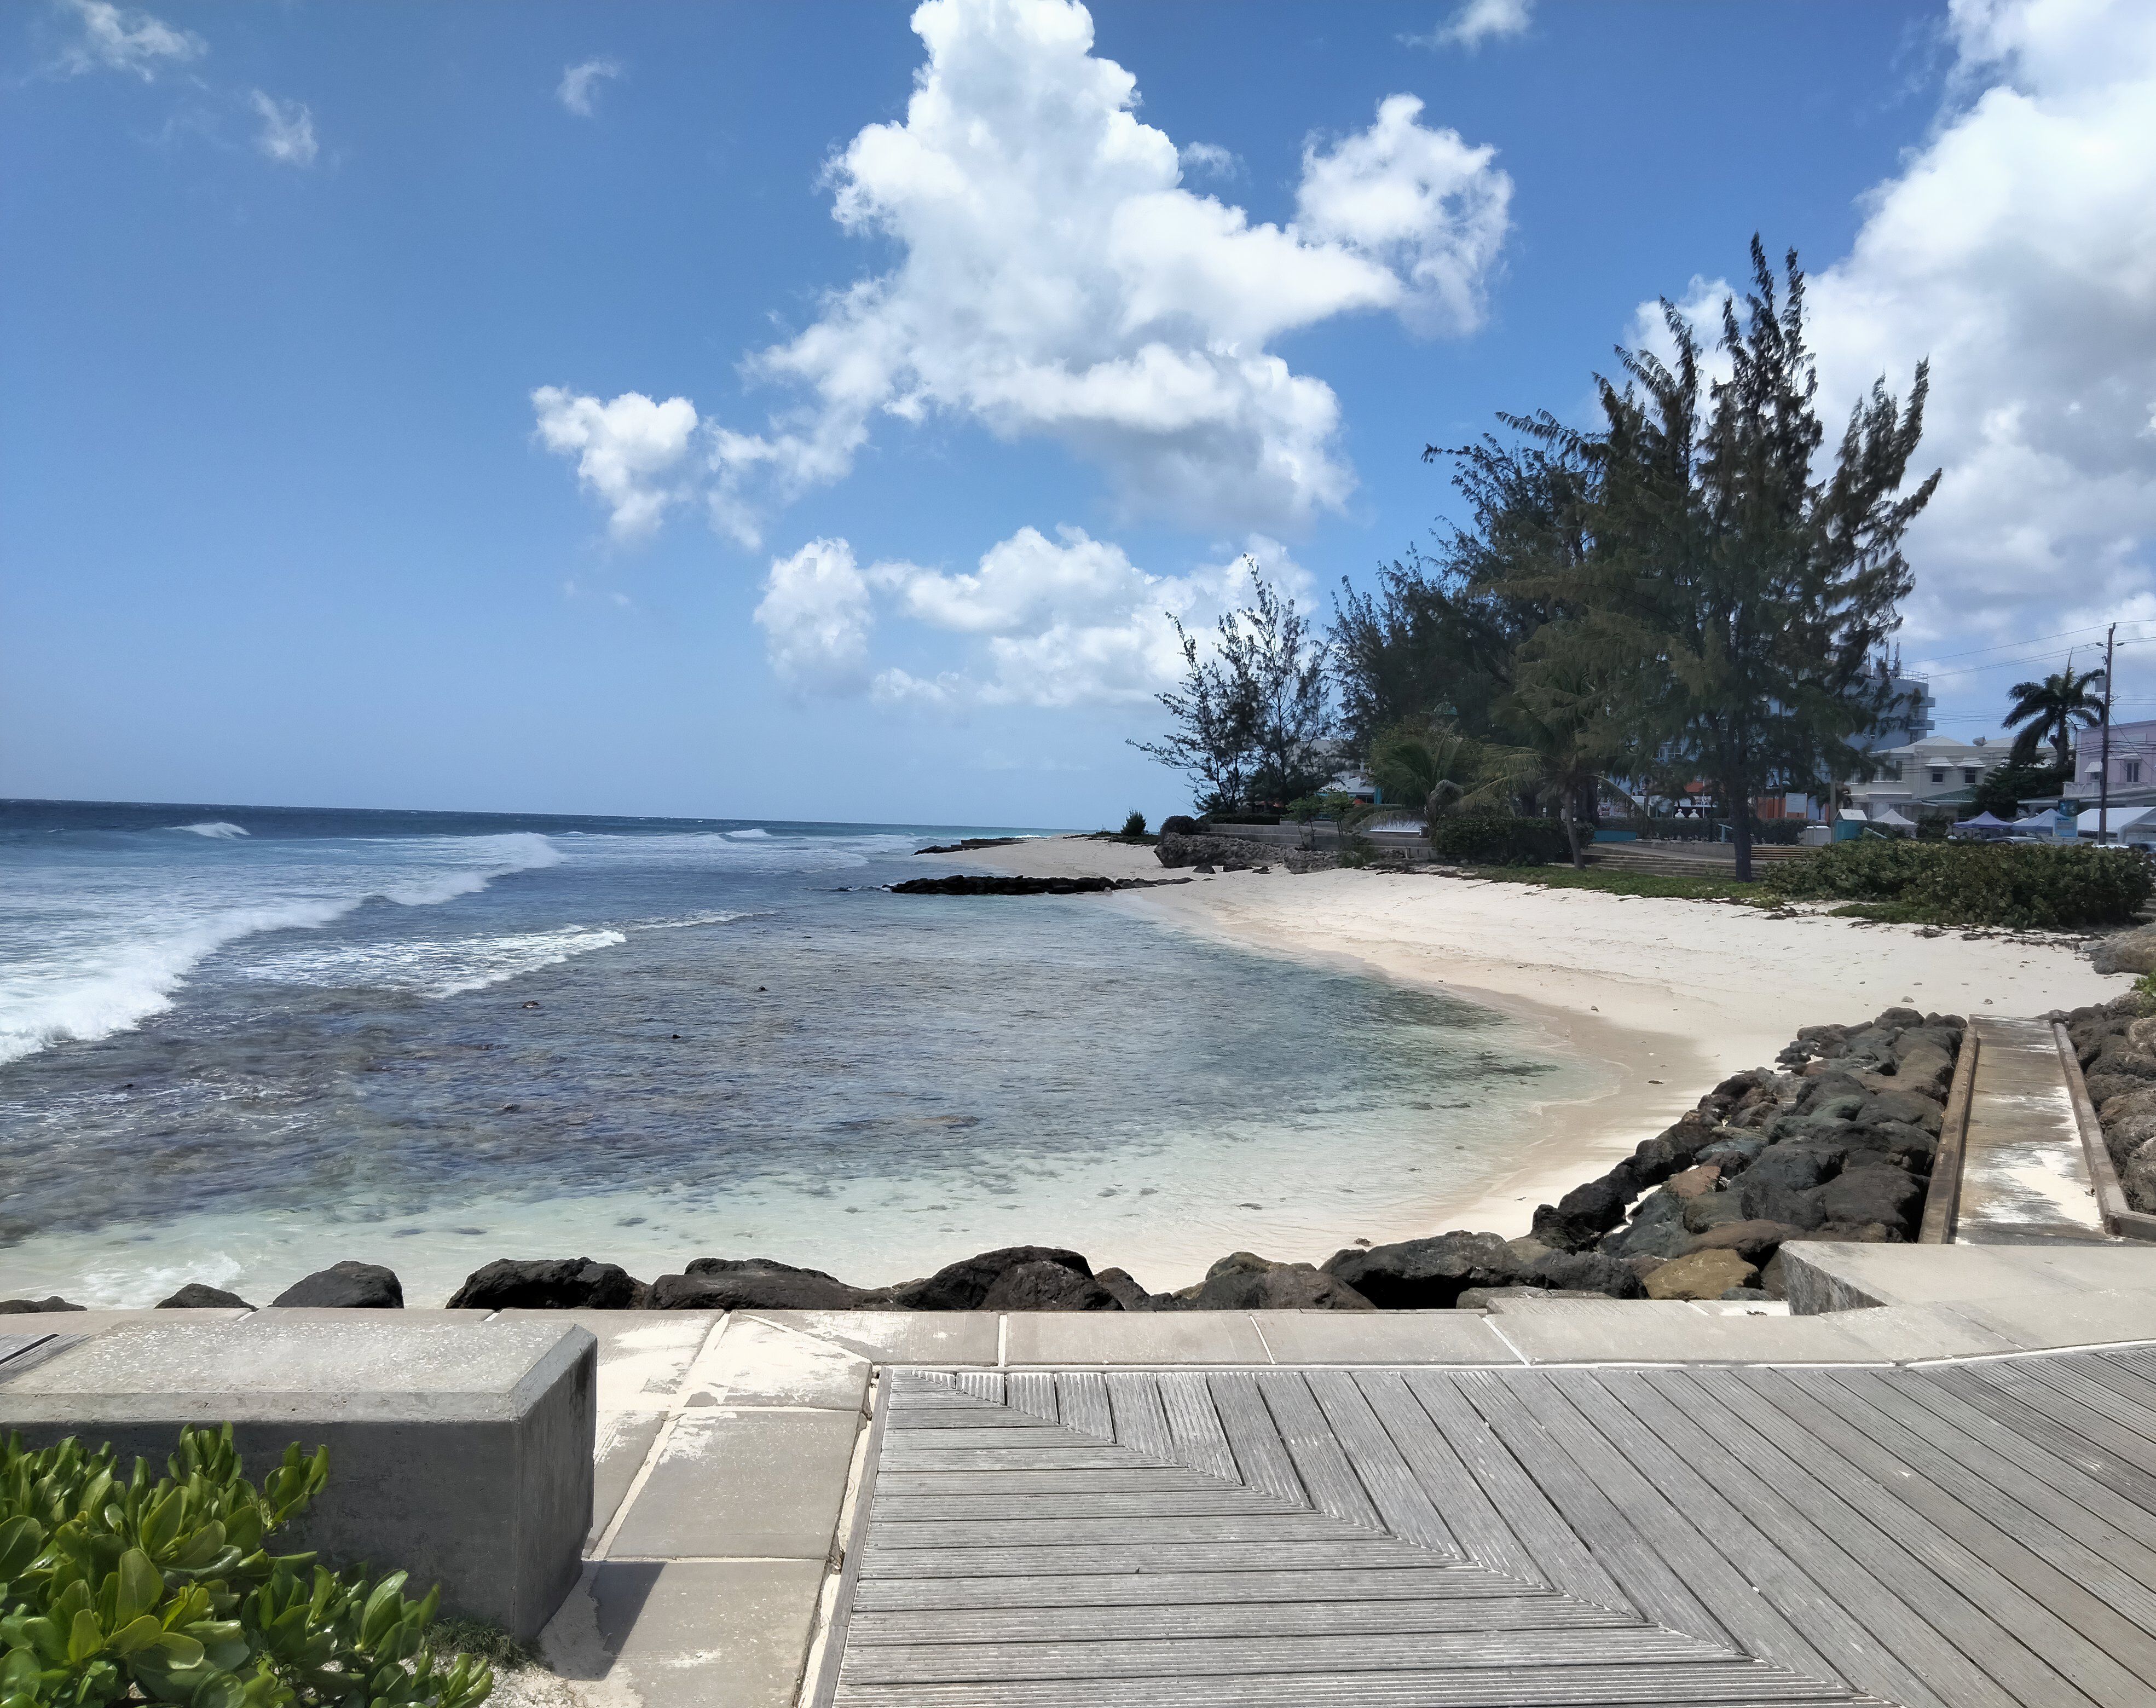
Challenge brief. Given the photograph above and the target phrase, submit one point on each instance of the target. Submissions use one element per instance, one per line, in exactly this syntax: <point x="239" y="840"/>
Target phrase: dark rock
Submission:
<point x="1120" y="1286"/>
<point x="2126" y="951"/>
<point x="2119" y="1058"/>
<point x="1244" y="1281"/>
<point x="1796" y="1165"/>
<point x="1908" y="1147"/>
<point x="1235" y="854"/>
<point x="1582" y="1216"/>
<point x="1178" y="823"/>
<point x="965" y="883"/>
<point x="346" y="1286"/>
<point x="1733" y="1152"/>
<point x="2105" y="1089"/>
<point x="1713" y="1209"/>
<point x="1424" y="1274"/>
<point x="1771" y="1274"/>
<point x="1911" y="1106"/>
<point x="1872" y="1194"/>
<point x="989" y="1281"/>
<point x="1860" y="1232"/>
<point x="1665" y="1237"/>
<point x="1770" y="1200"/>
<point x="1755" y="1241"/>
<point x="548" y="1283"/>
<point x="1586" y="1272"/>
<point x="18" y="1307"/>
<point x="753" y="1284"/>
<point x="197" y="1295"/>
<point x="1746" y="1293"/>
<point x="1482" y="1298"/>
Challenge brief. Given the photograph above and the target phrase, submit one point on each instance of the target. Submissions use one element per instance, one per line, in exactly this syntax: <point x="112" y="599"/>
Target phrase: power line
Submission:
<point x="2008" y="645"/>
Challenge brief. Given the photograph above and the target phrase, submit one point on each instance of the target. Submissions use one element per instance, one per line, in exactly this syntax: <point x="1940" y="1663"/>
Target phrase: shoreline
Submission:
<point x="1671" y="996"/>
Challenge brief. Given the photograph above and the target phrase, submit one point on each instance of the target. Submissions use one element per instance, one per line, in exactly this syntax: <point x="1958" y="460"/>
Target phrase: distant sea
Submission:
<point x="239" y="1043"/>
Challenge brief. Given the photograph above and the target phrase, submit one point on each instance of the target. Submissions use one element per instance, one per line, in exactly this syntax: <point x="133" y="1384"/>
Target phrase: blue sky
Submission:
<point x="339" y="464"/>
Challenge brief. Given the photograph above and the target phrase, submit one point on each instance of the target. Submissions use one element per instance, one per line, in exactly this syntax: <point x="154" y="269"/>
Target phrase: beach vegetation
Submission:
<point x="2052" y="709"/>
<point x="116" y="1585"/>
<point x="1134" y="824"/>
<point x="1498" y="839"/>
<point x="2002" y="791"/>
<point x="2055" y="886"/>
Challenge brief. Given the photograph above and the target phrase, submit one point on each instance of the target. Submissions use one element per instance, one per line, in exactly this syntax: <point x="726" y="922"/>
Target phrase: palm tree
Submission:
<point x="2051" y="710"/>
<point x="1434" y="771"/>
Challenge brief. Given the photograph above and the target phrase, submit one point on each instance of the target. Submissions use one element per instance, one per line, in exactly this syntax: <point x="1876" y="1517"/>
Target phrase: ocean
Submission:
<point x="238" y="1044"/>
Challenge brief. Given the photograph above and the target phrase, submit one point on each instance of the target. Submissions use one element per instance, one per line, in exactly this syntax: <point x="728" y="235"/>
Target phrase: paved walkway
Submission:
<point x="2024" y="1175"/>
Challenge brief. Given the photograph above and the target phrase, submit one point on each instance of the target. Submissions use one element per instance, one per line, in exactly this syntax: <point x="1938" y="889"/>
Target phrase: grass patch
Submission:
<point x="1631" y="883"/>
<point x="483" y="1641"/>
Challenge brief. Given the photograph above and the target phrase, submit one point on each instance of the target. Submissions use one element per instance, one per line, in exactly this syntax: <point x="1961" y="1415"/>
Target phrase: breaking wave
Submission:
<point x="217" y="828"/>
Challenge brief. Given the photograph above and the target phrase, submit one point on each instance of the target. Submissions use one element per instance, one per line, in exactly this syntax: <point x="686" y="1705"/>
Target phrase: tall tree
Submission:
<point x="1731" y="599"/>
<point x="2051" y="710"/>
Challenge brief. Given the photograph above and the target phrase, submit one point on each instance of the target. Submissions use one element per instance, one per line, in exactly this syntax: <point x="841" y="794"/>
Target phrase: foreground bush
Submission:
<point x="116" y="1588"/>
<point x="1971" y="883"/>
<point x="1498" y="839"/>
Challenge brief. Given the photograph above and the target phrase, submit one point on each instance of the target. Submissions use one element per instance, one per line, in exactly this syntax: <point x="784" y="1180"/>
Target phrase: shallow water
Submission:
<point x="247" y="1043"/>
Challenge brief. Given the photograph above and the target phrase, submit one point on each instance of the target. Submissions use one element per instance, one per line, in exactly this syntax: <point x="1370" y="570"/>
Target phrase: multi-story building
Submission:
<point x="2132" y="762"/>
<point x="1938" y="773"/>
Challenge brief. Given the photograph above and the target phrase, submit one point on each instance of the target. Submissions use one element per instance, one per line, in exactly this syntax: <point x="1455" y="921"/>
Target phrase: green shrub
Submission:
<point x="114" y="1588"/>
<point x="1498" y="839"/>
<point x="2017" y="884"/>
<point x="1134" y="825"/>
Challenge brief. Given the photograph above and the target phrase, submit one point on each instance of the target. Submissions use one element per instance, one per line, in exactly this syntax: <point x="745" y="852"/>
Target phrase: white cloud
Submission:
<point x="632" y="452"/>
<point x="1056" y="279"/>
<point x="1209" y="158"/>
<point x="1477" y="22"/>
<point x="1056" y="622"/>
<point x="2017" y="249"/>
<point x="288" y="130"/>
<point x="115" y="39"/>
<point x="579" y="84"/>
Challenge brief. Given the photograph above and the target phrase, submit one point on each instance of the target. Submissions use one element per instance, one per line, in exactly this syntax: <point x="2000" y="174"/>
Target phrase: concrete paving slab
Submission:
<point x="1834" y="1275"/>
<point x="644" y="1356"/>
<point x="1381" y="1337"/>
<point x="1133" y="1337"/>
<point x="751" y="1363"/>
<point x="1622" y="1331"/>
<point x="622" y="1444"/>
<point x="1916" y="1334"/>
<point x="2024" y="1175"/>
<point x="732" y="1482"/>
<point x="730" y="1633"/>
<point x="900" y="1337"/>
<point x="2049" y="1320"/>
<point x="97" y="1322"/>
<point x="320" y="1313"/>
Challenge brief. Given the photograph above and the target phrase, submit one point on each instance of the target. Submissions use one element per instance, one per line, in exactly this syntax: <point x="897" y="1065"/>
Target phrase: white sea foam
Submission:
<point x="217" y="828"/>
<point x="440" y="967"/>
<point x="692" y="919"/>
<point x="751" y="835"/>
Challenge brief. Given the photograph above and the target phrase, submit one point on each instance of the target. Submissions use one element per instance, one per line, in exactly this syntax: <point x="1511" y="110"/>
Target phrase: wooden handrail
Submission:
<point x="1942" y="1201"/>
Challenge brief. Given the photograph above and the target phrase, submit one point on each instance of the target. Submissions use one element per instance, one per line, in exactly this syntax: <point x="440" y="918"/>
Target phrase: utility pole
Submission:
<point x="2103" y="757"/>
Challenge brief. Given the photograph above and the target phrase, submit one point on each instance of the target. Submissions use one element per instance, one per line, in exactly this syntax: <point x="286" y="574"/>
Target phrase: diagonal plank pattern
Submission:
<point x="1980" y="1535"/>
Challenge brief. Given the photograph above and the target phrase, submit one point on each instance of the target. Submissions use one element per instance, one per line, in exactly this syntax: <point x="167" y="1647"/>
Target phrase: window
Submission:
<point x="1939" y="775"/>
<point x="2134" y="770"/>
<point x="1968" y="774"/>
<point x="1891" y="772"/>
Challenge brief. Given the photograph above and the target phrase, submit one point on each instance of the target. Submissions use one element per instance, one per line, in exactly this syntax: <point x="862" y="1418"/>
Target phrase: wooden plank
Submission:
<point x="988" y="1426"/>
<point x="1127" y="1479"/>
<point x="824" y="1686"/>
<point x="1081" y="1402"/>
<point x="1187" y="1587"/>
<point x="1972" y="1660"/>
<point x="1848" y="1649"/>
<point x="1319" y="1461"/>
<point x="897" y="1456"/>
<point x="1646" y="1580"/>
<point x="1261" y="1457"/>
<point x="2069" y="1375"/>
<point x="2066" y="1427"/>
<point x="1564" y="1560"/>
<point x="982" y="1385"/>
<point x="1538" y="1611"/>
<point x="1721" y="1584"/>
<point x="1406" y="1511"/>
<point x="1943" y="1199"/>
<point x="1264" y="1656"/>
<point x="1729" y="1683"/>
<point x="1024" y="1509"/>
<point x="1476" y="1528"/>
<point x="1244" y="1528"/>
<point x="1032" y="1391"/>
<point x="1141" y="1423"/>
<point x="2048" y="1614"/>
<point x="1194" y="1426"/>
<point x="1374" y="1554"/>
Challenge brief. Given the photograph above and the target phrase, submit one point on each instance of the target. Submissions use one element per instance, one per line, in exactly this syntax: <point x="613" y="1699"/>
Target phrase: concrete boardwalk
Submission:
<point x="2024" y="1175"/>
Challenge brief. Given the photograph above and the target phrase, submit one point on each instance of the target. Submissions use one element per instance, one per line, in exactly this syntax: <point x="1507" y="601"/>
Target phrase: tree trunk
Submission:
<point x="1740" y="825"/>
<point x="1570" y="819"/>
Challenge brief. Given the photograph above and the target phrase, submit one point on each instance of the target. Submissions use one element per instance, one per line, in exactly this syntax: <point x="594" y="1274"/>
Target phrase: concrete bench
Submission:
<point x="459" y="1451"/>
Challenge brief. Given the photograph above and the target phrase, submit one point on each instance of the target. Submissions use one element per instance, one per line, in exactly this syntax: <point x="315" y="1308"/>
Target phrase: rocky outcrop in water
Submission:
<point x="549" y="1284"/>
<point x="200" y="1295"/>
<point x="346" y="1286"/>
<point x="20" y="1307"/>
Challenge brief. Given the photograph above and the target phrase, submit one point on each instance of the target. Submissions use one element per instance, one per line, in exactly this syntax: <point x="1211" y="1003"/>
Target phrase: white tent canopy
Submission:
<point x="2122" y="819"/>
<point x="1893" y="821"/>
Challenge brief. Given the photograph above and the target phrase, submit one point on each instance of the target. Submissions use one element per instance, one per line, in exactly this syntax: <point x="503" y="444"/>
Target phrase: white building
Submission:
<point x="2132" y="761"/>
<point x="1938" y="774"/>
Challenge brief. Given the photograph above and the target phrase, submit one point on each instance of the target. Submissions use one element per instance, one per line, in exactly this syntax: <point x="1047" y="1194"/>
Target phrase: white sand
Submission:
<point x="1673" y="995"/>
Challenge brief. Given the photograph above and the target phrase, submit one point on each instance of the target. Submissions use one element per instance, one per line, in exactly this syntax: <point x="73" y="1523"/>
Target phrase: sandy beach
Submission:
<point x="1671" y="995"/>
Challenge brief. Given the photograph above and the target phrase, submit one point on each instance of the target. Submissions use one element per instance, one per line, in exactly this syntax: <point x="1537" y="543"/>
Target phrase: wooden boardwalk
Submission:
<point x="1974" y="1536"/>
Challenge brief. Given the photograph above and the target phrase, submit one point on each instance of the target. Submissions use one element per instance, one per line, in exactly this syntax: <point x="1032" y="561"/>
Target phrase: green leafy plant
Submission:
<point x="1498" y="839"/>
<point x="2019" y="884"/>
<point x="1134" y="825"/>
<point x="114" y="1588"/>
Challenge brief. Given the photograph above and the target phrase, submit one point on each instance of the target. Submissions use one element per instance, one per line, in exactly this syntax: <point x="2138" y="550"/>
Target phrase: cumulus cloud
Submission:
<point x="116" y="38"/>
<point x="1209" y="158"/>
<point x="2017" y="249"/>
<point x="579" y="84"/>
<point x="1057" y="279"/>
<point x="1060" y="622"/>
<point x="1476" y="22"/>
<point x="631" y="453"/>
<point x="287" y="135"/>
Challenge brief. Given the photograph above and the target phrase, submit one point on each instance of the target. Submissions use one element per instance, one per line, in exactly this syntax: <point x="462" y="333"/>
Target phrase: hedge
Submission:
<point x="1971" y="883"/>
<point x="1497" y="839"/>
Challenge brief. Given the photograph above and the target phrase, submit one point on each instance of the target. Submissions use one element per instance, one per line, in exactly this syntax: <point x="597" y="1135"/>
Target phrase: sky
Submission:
<point x="815" y="412"/>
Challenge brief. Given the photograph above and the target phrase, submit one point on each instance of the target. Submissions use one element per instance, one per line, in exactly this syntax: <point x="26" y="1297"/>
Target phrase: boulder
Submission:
<point x="1882" y="1194"/>
<point x="1702" y="1177"/>
<point x="1770" y="1200"/>
<point x="1906" y="1146"/>
<point x="1178" y="823"/>
<point x="2126" y="951"/>
<point x="1713" y="1209"/>
<point x="18" y="1307"/>
<point x="2138" y="1179"/>
<point x="1755" y="1241"/>
<point x="1707" y="1274"/>
<point x="548" y="1283"/>
<point x="1582" y="1215"/>
<point x="346" y="1286"/>
<point x="2134" y="1097"/>
<point x="2123" y="1059"/>
<point x="198" y="1295"/>
<point x="1911" y="1106"/>
<point x="1582" y="1271"/>
<point x="1014" y="1277"/>
<point x="1732" y="1151"/>
<point x="1798" y="1166"/>
<point x="1664" y="1237"/>
<point x="1926" y="1068"/>
<point x="2102" y="1087"/>
<point x="1244" y="1281"/>
<point x="1120" y="1286"/>
<point x="1424" y="1274"/>
<point x="753" y="1284"/>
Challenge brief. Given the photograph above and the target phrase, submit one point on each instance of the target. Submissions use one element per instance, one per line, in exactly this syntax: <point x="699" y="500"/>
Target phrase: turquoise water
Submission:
<point x="237" y="1044"/>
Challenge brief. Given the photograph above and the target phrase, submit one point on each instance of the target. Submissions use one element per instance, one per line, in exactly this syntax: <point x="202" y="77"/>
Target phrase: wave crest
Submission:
<point x="220" y="829"/>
